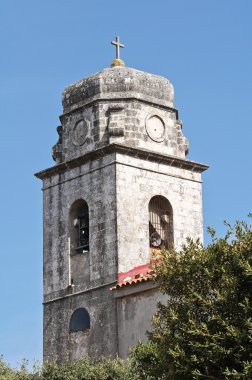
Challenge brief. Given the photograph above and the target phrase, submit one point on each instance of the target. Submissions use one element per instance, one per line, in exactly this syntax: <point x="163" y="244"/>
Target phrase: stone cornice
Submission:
<point x="126" y="150"/>
<point x="129" y="97"/>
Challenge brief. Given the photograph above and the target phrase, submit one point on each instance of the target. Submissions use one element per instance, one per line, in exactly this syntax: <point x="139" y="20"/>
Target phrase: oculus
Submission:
<point x="80" y="132"/>
<point x="155" y="128"/>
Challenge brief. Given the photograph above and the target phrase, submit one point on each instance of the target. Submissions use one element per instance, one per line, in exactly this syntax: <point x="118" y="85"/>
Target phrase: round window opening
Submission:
<point x="155" y="128"/>
<point x="80" y="320"/>
<point x="80" y="132"/>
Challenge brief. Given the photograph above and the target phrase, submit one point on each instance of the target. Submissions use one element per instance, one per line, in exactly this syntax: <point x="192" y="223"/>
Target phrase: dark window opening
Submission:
<point x="82" y="235"/>
<point x="80" y="320"/>
<point x="160" y="223"/>
<point x="79" y="227"/>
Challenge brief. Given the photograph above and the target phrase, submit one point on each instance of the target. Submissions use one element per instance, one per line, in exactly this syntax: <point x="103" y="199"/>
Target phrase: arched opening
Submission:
<point x="80" y="320"/>
<point x="160" y="223"/>
<point x="79" y="227"/>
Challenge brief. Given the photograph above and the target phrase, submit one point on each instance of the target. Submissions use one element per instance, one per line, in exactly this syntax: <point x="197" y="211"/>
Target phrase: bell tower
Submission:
<point x="121" y="189"/>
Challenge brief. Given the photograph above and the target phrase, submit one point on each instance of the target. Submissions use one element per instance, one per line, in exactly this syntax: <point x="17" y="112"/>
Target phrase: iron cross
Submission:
<point x="118" y="46"/>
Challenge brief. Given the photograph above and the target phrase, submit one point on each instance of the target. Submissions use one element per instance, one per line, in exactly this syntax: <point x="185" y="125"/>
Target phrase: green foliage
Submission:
<point x="22" y="373"/>
<point x="205" y="329"/>
<point x="83" y="369"/>
<point x="146" y="361"/>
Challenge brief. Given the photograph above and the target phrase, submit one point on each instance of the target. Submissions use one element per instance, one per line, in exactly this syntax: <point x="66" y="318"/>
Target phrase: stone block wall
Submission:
<point x="132" y="123"/>
<point x="101" y="339"/>
<point x="94" y="182"/>
<point x="117" y="183"/>
<point x="136" y="306"/>
<point x="137" y="181"/>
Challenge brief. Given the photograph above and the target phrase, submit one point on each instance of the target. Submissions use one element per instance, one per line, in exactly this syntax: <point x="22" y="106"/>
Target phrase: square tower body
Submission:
<point x="121" y="190"/>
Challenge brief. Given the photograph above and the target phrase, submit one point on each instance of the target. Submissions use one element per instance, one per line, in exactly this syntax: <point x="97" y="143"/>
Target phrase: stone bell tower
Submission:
<point x="121" y="189"/>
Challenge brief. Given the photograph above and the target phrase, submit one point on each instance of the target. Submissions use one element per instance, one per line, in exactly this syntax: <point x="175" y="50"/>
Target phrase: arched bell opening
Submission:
<point x="160" y="223"/>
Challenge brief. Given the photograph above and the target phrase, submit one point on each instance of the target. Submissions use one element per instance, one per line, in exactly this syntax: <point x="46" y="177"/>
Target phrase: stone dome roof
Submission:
<point x="119" y="83"/>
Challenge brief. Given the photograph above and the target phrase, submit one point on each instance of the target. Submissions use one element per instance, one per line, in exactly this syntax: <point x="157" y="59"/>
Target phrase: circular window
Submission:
<point x="155" y="128"/>
<point x="80" y="132"/>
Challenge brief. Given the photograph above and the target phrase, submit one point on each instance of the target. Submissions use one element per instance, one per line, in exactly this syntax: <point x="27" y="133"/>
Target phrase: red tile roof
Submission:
<point x="142" y="273"/>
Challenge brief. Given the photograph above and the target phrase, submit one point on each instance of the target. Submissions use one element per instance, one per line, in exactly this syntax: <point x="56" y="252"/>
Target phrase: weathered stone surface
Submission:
<point x="135" y="308"/>
<point x="119" y="105"/>
<point x="121" y="83"/>
<point x="129" y="122"/>
<point x="119" y="145"/>
<point x="137" y="181"/>
<point x="100" y="340"/>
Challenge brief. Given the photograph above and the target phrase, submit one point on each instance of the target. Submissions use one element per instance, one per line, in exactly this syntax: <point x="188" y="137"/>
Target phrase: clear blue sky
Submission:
<point x="202" y="47"/>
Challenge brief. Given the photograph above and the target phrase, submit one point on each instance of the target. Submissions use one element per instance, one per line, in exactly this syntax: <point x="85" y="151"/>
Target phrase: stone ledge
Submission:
<point x="134" y="289"/>
<point x="111" y="100"/>
<point x="74" y="294"/>
<point x="123" y="149"/>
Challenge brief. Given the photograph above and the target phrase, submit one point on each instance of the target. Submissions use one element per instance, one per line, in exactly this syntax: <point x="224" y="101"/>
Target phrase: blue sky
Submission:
<point x="202" y="47"/>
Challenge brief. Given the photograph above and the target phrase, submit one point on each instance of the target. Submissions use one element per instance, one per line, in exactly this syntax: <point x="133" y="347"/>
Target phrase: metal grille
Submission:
<point x="160" y="215"/>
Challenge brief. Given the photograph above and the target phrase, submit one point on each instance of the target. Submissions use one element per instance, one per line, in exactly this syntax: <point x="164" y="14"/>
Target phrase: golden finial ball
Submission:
<point x="117" y="62"/>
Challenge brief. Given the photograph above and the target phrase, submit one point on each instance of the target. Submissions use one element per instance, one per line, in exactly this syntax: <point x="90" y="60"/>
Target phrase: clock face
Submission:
<point x="155" y="128"/>
<point x="80" y="132"/>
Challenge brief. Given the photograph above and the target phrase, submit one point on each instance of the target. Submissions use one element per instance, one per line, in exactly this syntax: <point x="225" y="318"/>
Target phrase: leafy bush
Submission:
<point x="83" y="369"/>
<point x="205" y="329"/>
